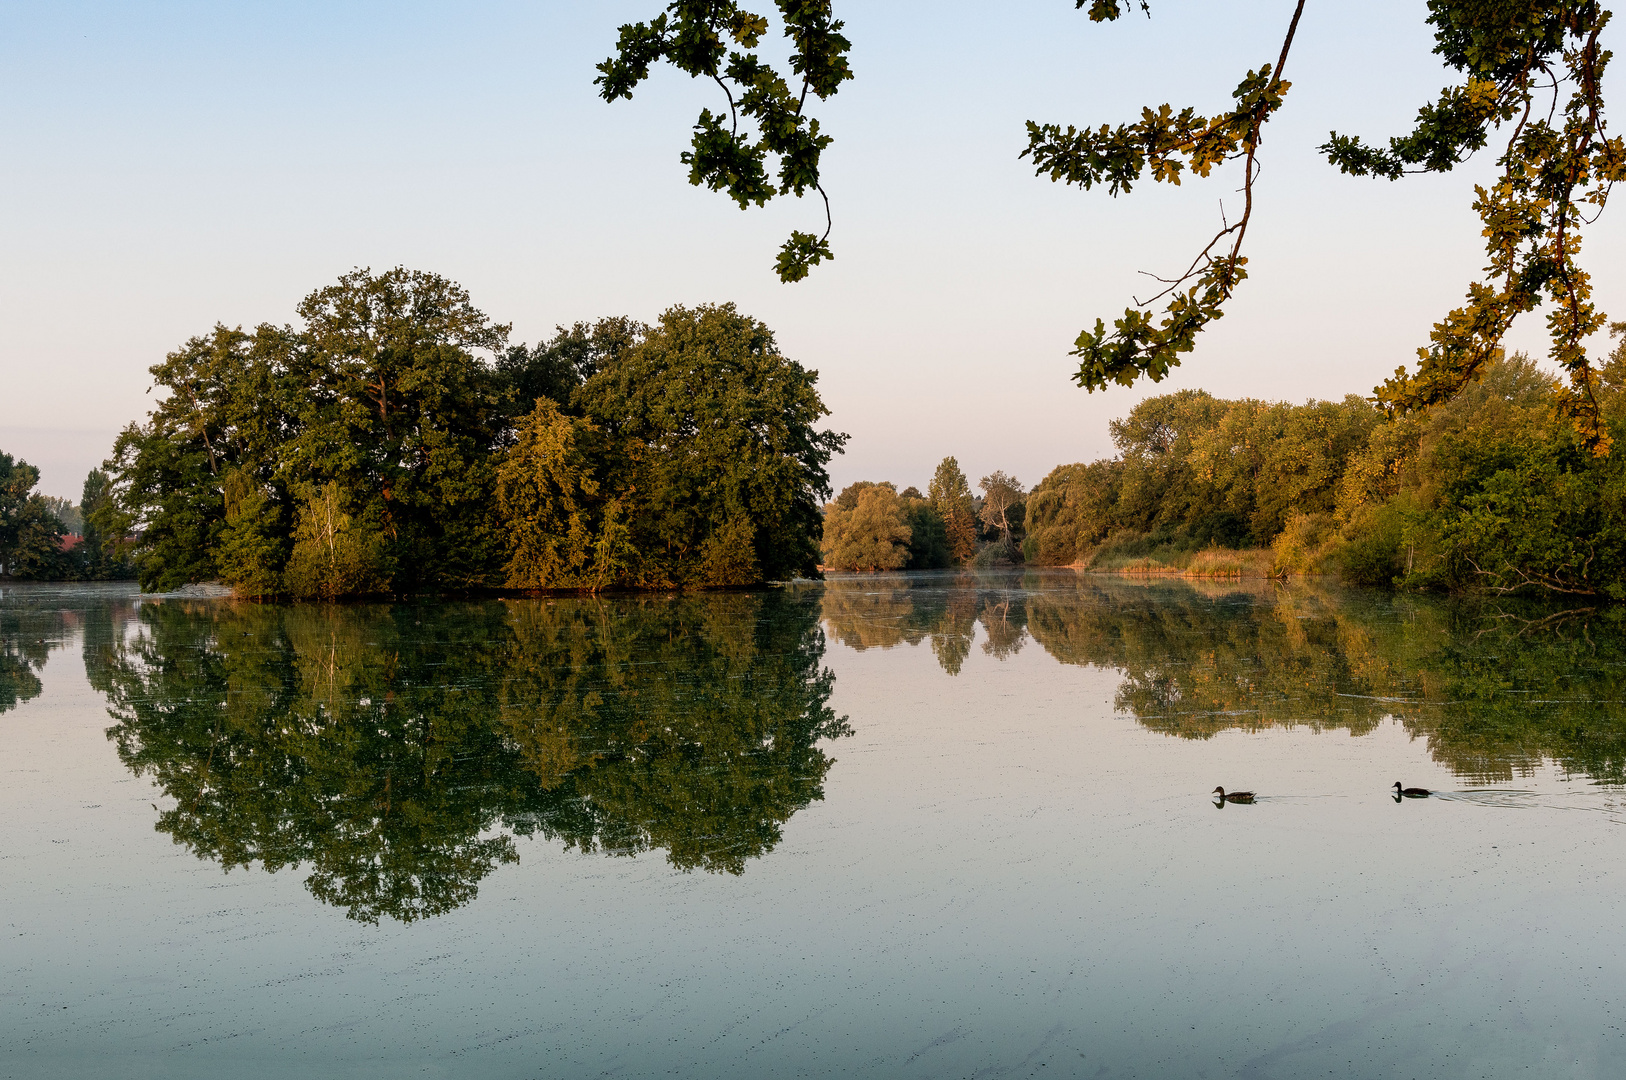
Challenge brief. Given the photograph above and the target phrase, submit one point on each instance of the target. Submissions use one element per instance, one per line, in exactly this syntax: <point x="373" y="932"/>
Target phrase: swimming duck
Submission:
<point x="1411" y="792"/>
<point x="1235" y="796"/>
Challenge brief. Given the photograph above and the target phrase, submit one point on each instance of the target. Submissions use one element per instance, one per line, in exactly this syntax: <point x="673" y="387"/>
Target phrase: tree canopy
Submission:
<point x="395" y="442"/>
<point x="867" y="528"/>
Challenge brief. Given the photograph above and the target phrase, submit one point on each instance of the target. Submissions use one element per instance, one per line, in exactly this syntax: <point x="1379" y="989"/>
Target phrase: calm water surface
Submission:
<point x="889" y="826"/>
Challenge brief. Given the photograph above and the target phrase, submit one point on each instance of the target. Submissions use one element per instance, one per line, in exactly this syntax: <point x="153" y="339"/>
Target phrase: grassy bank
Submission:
<point x="1139" y="554"/>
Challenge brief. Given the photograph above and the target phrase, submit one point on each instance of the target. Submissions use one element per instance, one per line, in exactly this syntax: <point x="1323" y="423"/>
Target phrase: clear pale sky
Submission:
<point x="170" y="165"/>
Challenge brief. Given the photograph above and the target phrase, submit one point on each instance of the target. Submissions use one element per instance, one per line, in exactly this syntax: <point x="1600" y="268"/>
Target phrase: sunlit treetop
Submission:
<point x="1530" y="70"/>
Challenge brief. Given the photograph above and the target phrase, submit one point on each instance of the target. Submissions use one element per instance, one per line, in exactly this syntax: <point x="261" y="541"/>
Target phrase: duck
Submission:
<point x="1411" y="792"/>
<point x="1235" y="796"/>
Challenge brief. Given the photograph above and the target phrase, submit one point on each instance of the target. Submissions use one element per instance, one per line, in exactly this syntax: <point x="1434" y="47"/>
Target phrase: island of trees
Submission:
<point x="395" y="442"/>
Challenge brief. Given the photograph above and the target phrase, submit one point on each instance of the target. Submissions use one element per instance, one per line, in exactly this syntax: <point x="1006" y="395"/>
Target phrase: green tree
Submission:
<point x="66" y="513"/>
<point x="866" y="528"/>
<point x="556" y="368"/>
<point x="402" y="412"/>
<point x="1070" y="511"/>
<point x="103" y="555"/>
<point x="565" y="529"/>
<point x="30" y="533"/>
<point x="382" y="393"/>
<point x="1193" y="470"/>
<point x="1490" y="490"/>
<point x="951" y="497"/>
<point x="361" y="452"/>
<point x="226" y="404"/>
<point x="339" y="549"/>
<point x="733" y="467"/>
<point x="928" y="534"/>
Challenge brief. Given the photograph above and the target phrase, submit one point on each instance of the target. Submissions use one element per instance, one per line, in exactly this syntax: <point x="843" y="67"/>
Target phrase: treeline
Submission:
<point x="874" y="526"/>
<point x="1491" y="490"/>
<point x="46" y="538"/>
<point x="395" y="442"/>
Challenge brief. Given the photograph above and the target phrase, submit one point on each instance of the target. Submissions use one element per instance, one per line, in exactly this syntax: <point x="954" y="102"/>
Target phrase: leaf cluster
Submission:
<point x="704" y="39"/>
<point x="1556" y="171"/>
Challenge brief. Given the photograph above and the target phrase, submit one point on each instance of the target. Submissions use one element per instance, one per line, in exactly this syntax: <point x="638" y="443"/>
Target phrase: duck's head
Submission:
<point x="1397" y="785"/>
<point x="1219" y="791"/>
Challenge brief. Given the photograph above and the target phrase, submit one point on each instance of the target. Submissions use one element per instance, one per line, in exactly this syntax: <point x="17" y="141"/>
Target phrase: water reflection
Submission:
<point x="32" y="624"/>
<point x="1496" y="689"/>
<point x="394" y="752"/>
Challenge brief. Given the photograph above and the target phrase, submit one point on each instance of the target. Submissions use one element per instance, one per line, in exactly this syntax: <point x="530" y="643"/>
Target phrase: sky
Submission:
<point x="168" y="166"/>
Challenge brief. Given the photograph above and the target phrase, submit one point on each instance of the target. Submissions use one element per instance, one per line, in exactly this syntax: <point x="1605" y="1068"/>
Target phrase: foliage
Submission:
<point x="1165" y="143"/>
<point x="66" y="513"/>
<point x="103" y="555"/>
<point x="1490" y="490"/>
<point x="378" y="410"/>
<point x="730" y="469"/>
<point x="563" y="532"/>
<point x="1003" y="499"/>
<point x="30" y="531"/>
<point x="866" y="528"/>
<point x="693" y="37"/>
<point x="950" y="495"/>
<point x="330" y="738"/>
<point x="1070" y="511"/>
<point x="1556" y="172"/>
<point x="553" y="370"/>
<point x="361" y="452"/>
<point x="1533" y="67"/>
<point x="1303" y="544"/>
<point x="1194" y="471"/>
<point x="336" y="552"/>
<point x="928" y="533"/>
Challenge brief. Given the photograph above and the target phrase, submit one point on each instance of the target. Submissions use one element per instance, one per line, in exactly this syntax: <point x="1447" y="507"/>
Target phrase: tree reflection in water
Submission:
<point x="1495" y="687"/>
<point x="396" y="751"/>
<point x="29" y="631"/>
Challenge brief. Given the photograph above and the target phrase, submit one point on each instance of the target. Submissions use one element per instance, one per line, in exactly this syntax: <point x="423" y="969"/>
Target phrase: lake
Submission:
<point x="930" y="825"/>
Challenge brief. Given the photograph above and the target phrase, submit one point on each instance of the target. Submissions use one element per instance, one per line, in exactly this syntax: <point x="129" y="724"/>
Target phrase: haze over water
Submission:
<point x="892" y="825"/>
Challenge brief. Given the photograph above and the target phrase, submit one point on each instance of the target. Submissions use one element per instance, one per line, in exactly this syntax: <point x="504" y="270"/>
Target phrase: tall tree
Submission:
<point x="564" y="510"/>
<point x="30" y="534"/>
<point x="376" y="420"/>
<point x="867" y="529"/>
<point x="402" y="413"/>
<point x="1002" y="498"/>
<point x="732" y="469"/>
<point x="951" y="497"/>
